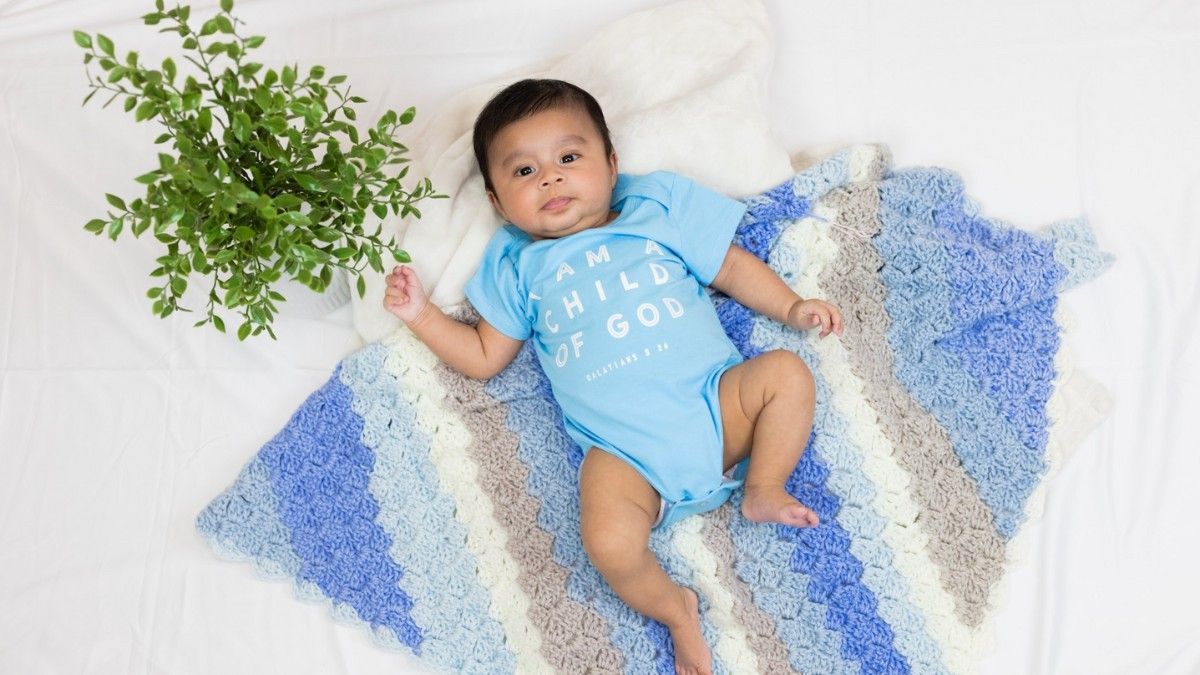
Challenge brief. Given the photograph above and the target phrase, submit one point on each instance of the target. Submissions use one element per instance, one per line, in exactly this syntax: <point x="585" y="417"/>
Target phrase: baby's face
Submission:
<point x="550" y="174"/>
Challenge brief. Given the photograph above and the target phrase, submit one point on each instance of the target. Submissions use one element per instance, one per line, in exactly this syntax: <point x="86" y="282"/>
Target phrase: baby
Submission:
<point x="606" y="272"/>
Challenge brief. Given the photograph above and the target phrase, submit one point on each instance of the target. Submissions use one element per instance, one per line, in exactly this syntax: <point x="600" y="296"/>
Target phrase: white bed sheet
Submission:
<point x="116" y="428"/>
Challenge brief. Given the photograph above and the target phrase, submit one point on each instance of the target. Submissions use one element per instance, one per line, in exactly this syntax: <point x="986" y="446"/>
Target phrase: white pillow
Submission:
<point x="683" y="88"/>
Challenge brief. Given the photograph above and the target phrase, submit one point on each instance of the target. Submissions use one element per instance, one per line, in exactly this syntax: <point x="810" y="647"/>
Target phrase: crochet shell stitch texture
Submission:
<point x="441" y="513"/>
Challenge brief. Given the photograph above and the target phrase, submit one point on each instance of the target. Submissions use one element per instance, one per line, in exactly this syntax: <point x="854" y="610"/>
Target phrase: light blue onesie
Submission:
<point x="626" y="333"/>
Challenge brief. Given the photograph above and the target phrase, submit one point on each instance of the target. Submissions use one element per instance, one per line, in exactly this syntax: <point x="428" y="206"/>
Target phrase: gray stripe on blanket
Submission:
<point x="963" y="541"/>
<point x="770" y="651"/>
<point x="573" y="635"/>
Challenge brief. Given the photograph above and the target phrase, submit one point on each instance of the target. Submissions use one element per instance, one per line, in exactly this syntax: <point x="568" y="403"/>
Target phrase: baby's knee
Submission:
<point x="790" y="372"/>
<point x="612" y="548"/>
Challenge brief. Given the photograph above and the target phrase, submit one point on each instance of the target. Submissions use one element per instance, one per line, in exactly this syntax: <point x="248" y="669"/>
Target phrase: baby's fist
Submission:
<point x="405" y="296"/>
<point x="806" y="314"/>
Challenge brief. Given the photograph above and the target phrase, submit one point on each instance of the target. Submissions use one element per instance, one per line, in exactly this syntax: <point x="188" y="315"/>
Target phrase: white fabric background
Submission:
<point x="116" y="428"/>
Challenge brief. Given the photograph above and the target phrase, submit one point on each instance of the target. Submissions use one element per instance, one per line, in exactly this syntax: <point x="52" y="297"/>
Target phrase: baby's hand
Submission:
<point x="806" y="314"/>
<point x="405" y="296"/>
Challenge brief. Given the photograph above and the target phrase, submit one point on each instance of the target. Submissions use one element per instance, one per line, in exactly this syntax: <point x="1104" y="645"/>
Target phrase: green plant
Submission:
<point x="269" y="175"/>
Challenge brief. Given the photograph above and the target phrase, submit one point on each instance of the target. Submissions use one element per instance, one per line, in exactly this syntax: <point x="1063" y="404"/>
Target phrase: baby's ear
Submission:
<point x="496" y="204"/>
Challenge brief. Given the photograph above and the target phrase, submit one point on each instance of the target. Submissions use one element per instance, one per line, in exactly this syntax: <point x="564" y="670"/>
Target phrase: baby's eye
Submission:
<point x="522" y="169"/>
<point x="570" y="155"/>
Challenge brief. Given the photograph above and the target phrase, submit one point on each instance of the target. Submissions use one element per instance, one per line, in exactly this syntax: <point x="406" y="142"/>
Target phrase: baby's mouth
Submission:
<point x="556" y="203"/>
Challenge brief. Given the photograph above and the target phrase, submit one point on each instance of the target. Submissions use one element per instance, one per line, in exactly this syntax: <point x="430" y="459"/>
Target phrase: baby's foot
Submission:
<point x="772" y="504"/>
<point x="691" y="652"/>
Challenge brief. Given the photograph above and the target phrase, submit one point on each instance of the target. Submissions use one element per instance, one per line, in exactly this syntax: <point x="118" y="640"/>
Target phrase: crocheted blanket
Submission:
<point x="441" y="513"/>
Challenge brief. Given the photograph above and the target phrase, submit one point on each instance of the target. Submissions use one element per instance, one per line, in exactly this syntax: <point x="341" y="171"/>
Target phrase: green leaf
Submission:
<point x="337" y="79"/>
<point x="224" y="25"/>
<point x="146" y="110"/>
<point x="168" y="67"/>
<point x="220" y="325"/>
<point x="255" y="41"/>
<point x="288" y="76"/>
<point x="226" y="6"/>
<point x="115" y="201"/>
<point x="104" y="43"/>
<point x="154" y="292"/>
<point x="209" y="28"/>
<point x="241" y="126"/>
<point x="408" y="115"/>
<point x="114" y="228"/>
<point x="95" y="226"/>
<point x="243" y="331"/>
<point x="316" y="72"/>
<point x="243" y="233"/>
<point x="344" y="252"/>
<point x="309" y="182"/>
<point x="179" y="285"/>
<point x="130" y="102"/>
<point x="380" y="210"/>
<point x="190" y="43"/>
<point x="401" y="256"/>
<point x="152" y="19"/>
<point x="148" y="178"/>
<point x="204" y="120"/>
<point x="83" y="39"/>
<point x="295" y="218"/>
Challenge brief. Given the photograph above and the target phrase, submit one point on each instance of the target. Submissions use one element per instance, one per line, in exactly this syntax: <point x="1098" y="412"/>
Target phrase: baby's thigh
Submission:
<point x="745" y="389"/>
<point x="617" y="505"/>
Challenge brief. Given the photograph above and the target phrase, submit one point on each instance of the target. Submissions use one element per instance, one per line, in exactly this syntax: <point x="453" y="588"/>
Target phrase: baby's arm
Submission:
<point x="478" y="351"/>
<point x="746" y="279"/>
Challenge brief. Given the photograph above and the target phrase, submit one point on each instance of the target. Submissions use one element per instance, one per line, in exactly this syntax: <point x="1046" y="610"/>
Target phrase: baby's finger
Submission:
<point x="837" y="320"/>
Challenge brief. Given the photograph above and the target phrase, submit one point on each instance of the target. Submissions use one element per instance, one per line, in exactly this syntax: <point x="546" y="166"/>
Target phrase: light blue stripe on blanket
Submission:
<point x="919" y="303"/>
<point x="1005" y="282"/>
<point x="449" y="603"/>
<point x="243" y="523"/>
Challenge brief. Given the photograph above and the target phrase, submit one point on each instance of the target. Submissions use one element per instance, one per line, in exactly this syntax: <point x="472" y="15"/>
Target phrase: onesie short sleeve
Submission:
<point x="706" y="221"/>
<point x="495" y="292"/>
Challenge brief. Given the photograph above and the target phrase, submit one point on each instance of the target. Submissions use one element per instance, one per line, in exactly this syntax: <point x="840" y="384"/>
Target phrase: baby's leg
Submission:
<point x="767" y="411"/>
<point x="617" y="507"/>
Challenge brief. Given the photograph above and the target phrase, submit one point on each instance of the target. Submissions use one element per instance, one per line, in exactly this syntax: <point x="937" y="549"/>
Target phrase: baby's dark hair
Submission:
<point x="523" y="99"/>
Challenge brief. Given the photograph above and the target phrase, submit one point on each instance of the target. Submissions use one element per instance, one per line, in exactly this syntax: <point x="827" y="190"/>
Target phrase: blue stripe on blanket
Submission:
<point x="919" y="303"/>
<point x="824" y="552"/>
<point x="854" y="608"/>
<point x="803" y="627"/>
<point x="1007" y="341"/>
<point x="449" y="602"/>
<point x="319" y="473"/>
